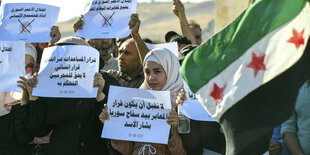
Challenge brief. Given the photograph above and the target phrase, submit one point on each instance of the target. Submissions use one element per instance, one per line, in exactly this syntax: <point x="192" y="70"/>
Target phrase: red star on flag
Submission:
<point x="217" y="93"/>
<point x="297" y="38"/>
<point x="257" y="63"/>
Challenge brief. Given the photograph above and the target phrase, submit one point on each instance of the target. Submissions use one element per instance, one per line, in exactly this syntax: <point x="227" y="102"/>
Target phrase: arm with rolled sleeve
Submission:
<point x="289" y="133"/>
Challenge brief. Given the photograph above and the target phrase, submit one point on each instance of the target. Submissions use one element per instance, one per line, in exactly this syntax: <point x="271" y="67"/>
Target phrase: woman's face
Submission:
<point x="29" y="60"/>
<point x="155" y="75"/>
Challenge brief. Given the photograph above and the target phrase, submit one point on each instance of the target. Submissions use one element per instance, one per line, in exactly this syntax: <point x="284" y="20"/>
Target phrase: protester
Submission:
<point x="39" y="144"/>
<point x="296" y="131"/>
<point x="13" y="133"/>
<point x="105" y="47"/>
<point x="119" y="42"/>
<point x="196" y="30"/>
<point x="55" y="35"/>
<point x="130" y="72"/>
<point x="181" y="40"/>
<point x="161" y="69"/>
<point x="184" y="51"/>
<point x="74" y="122"/>
<point x="169" y="35"/>
<point x="191" y="30"/>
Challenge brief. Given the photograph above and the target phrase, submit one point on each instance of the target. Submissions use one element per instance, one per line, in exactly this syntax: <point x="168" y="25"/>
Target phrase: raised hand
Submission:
<point x="78" y="25"/>
<point x="27" y="87"/>
<point x="173" y="118"/>
<point x="181" y="97"/>
<point x="99" y="82"/>
<point x="104" y="114"/>
<point x="55" y="35"/>
<point x="134" y="24"/>
<point x="178" y="8"/>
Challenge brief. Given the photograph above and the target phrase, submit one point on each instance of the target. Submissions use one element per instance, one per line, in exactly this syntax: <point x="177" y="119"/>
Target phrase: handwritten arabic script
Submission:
<point x="30" y="12"/>
<point x="12" y="64"/>
<point x="68" y="71"/>
<point x="5" y="49"/>
<point x="138" y="115"/>
<point x="135" y="114"/>
<point x="101" y="5"/>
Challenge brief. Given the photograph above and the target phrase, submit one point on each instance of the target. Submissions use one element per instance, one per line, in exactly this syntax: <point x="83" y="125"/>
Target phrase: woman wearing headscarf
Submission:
<point x="161" y="70"/>
<point x="13" y="134"/>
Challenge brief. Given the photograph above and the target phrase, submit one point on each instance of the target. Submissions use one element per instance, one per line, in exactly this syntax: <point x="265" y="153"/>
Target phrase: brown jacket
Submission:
<point x="174" y="147"/>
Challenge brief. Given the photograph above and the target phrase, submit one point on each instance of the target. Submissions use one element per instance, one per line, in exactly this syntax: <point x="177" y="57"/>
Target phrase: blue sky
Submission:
<point x="73" y="8"/>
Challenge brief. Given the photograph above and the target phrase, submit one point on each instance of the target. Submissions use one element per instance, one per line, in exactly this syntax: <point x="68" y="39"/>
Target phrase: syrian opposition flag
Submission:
<point x="247" y="76"/>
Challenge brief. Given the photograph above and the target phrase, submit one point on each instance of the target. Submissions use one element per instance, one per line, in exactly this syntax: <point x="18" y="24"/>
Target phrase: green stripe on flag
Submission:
<point x="211" y="58"/>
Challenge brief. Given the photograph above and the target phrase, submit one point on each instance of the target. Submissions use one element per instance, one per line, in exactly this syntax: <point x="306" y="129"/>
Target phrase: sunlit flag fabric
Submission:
<point x="247" y="76"/>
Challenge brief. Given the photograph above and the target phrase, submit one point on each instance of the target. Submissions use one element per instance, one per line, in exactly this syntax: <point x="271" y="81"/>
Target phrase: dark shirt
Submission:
<point x="74" y="123"/>
<point x="13" y="134"/>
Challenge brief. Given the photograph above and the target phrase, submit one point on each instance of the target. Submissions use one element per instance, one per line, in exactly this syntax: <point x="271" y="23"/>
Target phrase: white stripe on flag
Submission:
<point x="239" y="80"/>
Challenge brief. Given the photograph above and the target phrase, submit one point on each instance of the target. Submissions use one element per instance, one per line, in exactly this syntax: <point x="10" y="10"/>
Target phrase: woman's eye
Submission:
<point x="158" y="71"/>
<point x="147" y="72"/>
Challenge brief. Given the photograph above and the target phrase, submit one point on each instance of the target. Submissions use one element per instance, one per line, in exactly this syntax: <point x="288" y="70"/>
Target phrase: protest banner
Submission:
<point x="107" y="19"/>
<point x="173" y="47"/>
<point x="12" y="64"/>
<point x="27" y="21"/>
<point x="67" y="71"/>
<point x="192" y="109"/>
<point x="137" y="115"/>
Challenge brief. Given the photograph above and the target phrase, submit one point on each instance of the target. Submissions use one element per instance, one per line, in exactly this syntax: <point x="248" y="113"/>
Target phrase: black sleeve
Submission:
<point x="22" y="134"/>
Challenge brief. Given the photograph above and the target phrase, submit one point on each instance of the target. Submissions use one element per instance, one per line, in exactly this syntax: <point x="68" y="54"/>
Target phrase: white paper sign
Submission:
<point x="27" y="21"/>
<point x="108" y="19"/>
<point x="137" y="115"/>
<point x="12" y="64"/>
<point x="192" y="108"/>
<point x="172" y="46"/>
<point x="67" y="71"/>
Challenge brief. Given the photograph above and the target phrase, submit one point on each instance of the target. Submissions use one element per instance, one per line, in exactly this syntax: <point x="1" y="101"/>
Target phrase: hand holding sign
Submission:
<point x="99" y="82"/>
<point x="138" y="115"/>
<point x="181" y="97"/>
<point x="27" y="87"/>
<point x="105" y="20"/>
<point x="191" y="107"/>
<point x="78" y="25"/>
<point x="68" y="71"/>
<point x="104" y="115"/>
<point x="134" y="24"/>
<point x="178" y="8"/>
<point x="173" y="118"/>
<point x="55" y="35"/>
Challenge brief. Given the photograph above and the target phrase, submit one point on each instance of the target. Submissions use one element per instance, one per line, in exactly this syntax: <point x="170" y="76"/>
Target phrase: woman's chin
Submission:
<point x="155" y="88"/>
